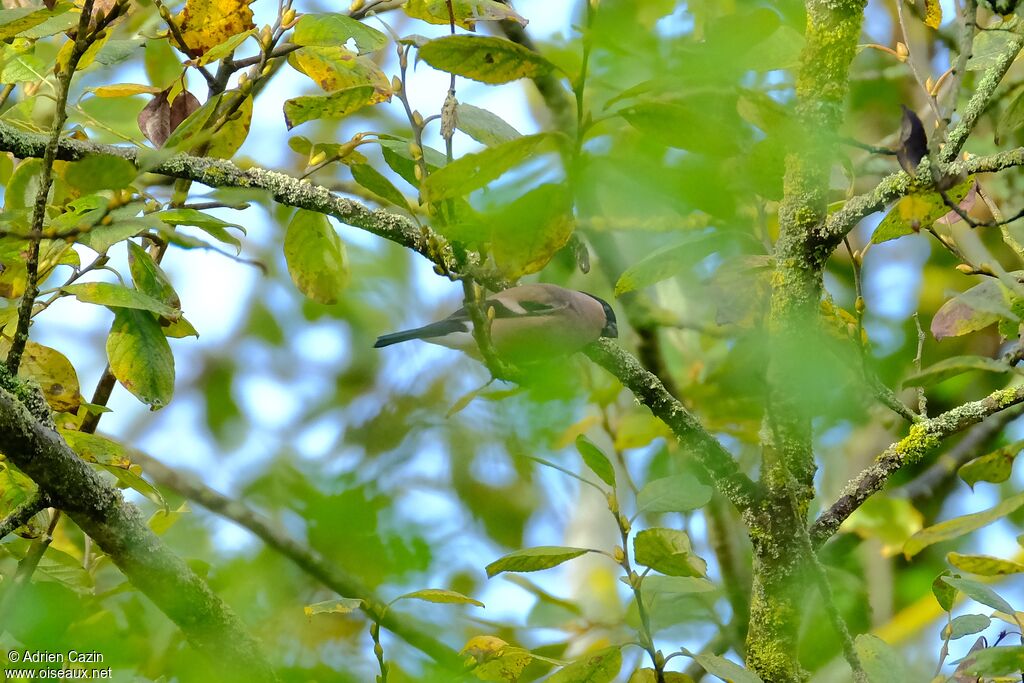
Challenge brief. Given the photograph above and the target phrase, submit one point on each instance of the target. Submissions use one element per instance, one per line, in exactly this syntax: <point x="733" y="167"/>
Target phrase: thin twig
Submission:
<point x="922" y="399"/>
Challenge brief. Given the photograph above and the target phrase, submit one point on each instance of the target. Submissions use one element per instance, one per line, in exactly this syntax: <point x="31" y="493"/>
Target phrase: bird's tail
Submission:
<point x="438" y="329"/>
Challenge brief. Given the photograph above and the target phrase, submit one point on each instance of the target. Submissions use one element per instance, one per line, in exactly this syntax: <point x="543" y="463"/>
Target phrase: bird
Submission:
<point x="530" y="322"/>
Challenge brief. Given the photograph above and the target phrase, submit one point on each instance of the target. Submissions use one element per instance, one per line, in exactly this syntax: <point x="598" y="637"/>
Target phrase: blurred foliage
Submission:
<point x="384" y="463"/>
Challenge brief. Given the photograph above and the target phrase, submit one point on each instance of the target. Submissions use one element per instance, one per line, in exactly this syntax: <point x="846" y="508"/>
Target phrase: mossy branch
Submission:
<point x="118" y="528"/>
<point x="283" y="188"/>
<point x="923" y="438"/>
<point x="716" y="460"/>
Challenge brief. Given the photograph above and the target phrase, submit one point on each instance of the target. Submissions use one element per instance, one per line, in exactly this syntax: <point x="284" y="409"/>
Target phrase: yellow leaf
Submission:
<point x="336" y="68"/>
<point x="206" y="24"/>
<point x="984" y="565"/>
<point x="482" y="648"/>
<point x="932" y="13"/>
<point x="123" y="90"/>
<point x="52" y="372"/>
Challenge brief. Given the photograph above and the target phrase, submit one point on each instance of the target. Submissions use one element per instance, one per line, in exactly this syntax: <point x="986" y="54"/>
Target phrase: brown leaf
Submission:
<point x="913" y="141"/>
<point x="961" y="675"/>
<point x="155" y="119"/>
<point x="182" y="107"/>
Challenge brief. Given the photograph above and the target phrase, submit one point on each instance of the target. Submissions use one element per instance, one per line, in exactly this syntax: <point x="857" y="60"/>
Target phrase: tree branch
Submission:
<point x="20" y="515"/>
<point x="923" y="438"/>
<point x="306" y="558"/>
<point x="284" y="189"/>
<point x="972" y="445"/>
<point x="99" y="510"/>
<point x="716" y="460"/>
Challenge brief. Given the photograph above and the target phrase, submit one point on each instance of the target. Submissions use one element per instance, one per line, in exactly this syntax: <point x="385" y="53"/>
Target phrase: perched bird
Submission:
<point x="529" y="322"/>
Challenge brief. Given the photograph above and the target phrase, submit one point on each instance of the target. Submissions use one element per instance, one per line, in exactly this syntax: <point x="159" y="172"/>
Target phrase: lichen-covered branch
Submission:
<point x="118" y="528"/>
<point x="983" y="93"/>
<point x="928" y="483"/>
<point x="309" y="560"/>
<point x="897" y="185"/>
<point x="923" y="438"/>
<point x="801" y="252"/>
<point x="716" y="460"/>
<point x="285" y="189"/>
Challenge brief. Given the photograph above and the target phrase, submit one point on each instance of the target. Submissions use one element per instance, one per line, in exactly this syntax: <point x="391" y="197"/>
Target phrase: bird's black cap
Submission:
<point x="611" y="328"/>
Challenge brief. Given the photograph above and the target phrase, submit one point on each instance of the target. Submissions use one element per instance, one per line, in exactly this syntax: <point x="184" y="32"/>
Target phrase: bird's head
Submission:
<point x="611" y="328"/>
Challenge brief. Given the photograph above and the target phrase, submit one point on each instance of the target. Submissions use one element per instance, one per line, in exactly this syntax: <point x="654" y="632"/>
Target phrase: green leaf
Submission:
<point x="119" y="296"/>
<point x="534" y="559"/>
<point x="995" y="661"/>
<point x="725" y="669"/>
<point x="316" y="257"/>
<point x="984" y="565"/>
<point x="333" y="67"/>
<point x="655" y="586"/>
<point x="129" y="479"/>
<point x="23" y="186"/>
<point x="336" y="105"/>
<point x="440" y="595"/>
<point x="17" y="20"/>
<point x="525" y="234"/>
<point x="96" y="448"/>
<point x="484" y="58"/>
<point x="651" y="676"/>
<point x="473" y="171"/>
<point x="953" y="366"/>
<point x="483" y="126"/>
<point x="918" y="212"/>
<point x="890" y="520"/>
<point x="974" y="309"/>
<point x="212" y="226"/>
<point x="668" y="551"/>
<point x="226" y="48"/>
<point x="994" y="467"/>
<point x="140" y="357"/>
<point x="398" y="157"/>
<point x="600" y="667"/>
<point x="965" y="625"/>
<point x="668" y="261"/>
<point x="680" y="493"/>
<point x="325" y="30"/>
<point x="990" y="45"/>
<point x="596" y="460"/>
<point x="465" y="12"/>
<point x="100" y="172"/>
<point x="957" y="527"/>
<point x="979" y="592"/>
<point x="336" y="606"/>
<point x="102" y="237"/>
<point x="697" y="123"/>
<point x="163" y="519"/>
<point x="150" y="278"/>
<point x="58" y="566"/>
<point x="881" y="662"/>
<point x="1012" y="117"/>
<point x="20" y="65"/>
<point x="944" y="594"/>
<point x="374" y="181"/>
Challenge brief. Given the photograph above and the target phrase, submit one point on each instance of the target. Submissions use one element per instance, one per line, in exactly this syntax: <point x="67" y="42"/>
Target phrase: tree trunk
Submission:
<point x="832" y="33"/>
